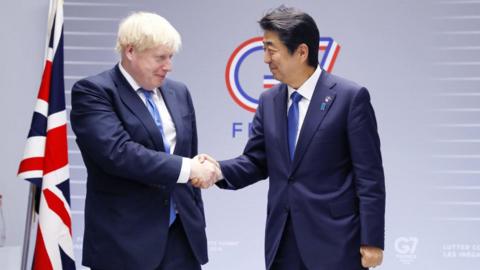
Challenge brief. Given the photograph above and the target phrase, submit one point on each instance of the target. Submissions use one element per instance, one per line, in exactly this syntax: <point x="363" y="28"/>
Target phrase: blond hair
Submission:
<point x="145" y="30"/>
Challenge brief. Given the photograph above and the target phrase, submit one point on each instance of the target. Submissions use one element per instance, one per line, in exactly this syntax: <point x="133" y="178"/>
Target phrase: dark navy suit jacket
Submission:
<point x="130" y="177"/>
<point x="334" y="188"/>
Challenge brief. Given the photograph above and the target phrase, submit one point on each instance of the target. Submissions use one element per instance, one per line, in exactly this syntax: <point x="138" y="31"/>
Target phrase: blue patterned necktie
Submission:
<point x="152" y="108"/>
<point x="293" y="122"/>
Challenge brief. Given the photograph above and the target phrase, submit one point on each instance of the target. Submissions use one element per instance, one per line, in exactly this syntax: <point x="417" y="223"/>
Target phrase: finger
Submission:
<point x="364" y="262"/>
<point x="205" y="185"/>
<point x="211" y="182"/>
<point x="201" y="158"/>
<point x="218" y="174"/>
<point x="370" y="262"/>
<point x="212" y="160"/>
<point x="197" y="182"/>
<point x="371" y="256"/>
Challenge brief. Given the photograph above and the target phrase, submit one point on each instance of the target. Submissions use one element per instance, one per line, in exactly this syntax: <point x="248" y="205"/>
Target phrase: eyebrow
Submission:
<point x="267" y="43"/>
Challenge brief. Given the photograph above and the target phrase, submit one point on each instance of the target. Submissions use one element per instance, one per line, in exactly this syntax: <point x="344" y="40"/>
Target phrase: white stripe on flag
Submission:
<point x="58" y="25"/>
<point x="57" y="119"/>
<point x="54" y="232"/>
<point x="50" y="55"/>
<point x="53" y="178"/>
<point x="30" y="174"/>
<point x="35" y="147"/>
<point x="41" y="107"/>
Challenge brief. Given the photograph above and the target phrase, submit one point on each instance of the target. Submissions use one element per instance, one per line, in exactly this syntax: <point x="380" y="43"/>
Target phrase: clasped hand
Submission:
<point x="371" y="256"/>
<point x="205" y="171"/>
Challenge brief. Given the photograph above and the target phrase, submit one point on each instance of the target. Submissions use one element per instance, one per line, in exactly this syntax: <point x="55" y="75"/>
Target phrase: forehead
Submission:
<point x="159" y="50"/>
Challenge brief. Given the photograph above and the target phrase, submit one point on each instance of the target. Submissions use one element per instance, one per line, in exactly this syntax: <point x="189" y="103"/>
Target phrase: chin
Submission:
<point x="278" y="78"/>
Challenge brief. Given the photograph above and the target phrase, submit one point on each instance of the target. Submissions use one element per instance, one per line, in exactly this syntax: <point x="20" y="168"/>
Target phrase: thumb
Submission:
<point x="201" y="158"/>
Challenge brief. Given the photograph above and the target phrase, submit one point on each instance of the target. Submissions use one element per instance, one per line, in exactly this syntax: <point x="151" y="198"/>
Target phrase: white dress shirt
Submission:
<point x="306" y="91"/>
<point x="167" y="122"/>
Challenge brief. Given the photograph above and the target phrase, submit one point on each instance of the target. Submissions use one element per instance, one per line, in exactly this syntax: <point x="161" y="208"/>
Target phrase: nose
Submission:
<point x="167" y="66"/>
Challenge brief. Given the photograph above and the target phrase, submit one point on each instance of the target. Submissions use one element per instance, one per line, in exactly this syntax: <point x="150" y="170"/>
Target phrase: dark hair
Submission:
<point x="293" y="27"/>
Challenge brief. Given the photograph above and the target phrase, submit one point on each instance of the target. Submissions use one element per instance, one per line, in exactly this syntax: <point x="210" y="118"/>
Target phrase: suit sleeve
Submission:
<point x="101" y="135"/>
<point x="368" y="170"/>
<point x="251" y="166"/>
<point x="194" y="126"/>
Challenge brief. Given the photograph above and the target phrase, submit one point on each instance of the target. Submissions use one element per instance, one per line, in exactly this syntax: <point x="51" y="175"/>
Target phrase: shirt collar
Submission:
<point x="307" y="88"/>
<point x="129" y="77"/>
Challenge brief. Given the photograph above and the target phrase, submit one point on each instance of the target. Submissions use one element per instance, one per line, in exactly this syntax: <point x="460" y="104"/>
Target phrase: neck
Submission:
<point x="302" y="75"/>
<point x="125" y="66"/>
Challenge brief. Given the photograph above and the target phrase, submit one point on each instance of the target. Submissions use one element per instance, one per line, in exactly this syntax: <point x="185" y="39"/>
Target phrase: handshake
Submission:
<point x="205" y="171"/>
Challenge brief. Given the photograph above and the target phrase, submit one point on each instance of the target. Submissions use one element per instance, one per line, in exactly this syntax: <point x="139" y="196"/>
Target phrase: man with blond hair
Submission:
<point x="137" y="134"/>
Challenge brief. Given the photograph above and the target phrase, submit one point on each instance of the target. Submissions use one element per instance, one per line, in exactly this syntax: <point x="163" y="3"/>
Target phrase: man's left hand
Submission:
<point x="371" y="256"/>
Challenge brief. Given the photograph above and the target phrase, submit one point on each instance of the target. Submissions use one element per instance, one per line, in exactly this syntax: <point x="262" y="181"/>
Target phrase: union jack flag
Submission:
<point x="45" y="160"/>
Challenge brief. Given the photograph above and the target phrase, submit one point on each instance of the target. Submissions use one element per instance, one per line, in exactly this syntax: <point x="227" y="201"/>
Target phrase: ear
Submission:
<point x="302" y="51"/>
<point x="129" y="51"/>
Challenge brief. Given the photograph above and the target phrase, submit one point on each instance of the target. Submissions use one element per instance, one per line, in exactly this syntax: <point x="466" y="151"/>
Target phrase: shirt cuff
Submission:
<point x="184" y="171"/>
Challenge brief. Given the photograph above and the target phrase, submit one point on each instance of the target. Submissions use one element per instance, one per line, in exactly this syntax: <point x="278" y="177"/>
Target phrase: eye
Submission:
<point x="163" y="58"/>
<point x="160" y="58"/>
<point x="268" y="50"/>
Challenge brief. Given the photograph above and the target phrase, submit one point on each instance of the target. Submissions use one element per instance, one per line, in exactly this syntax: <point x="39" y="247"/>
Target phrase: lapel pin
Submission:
<point x="327" y="100"/>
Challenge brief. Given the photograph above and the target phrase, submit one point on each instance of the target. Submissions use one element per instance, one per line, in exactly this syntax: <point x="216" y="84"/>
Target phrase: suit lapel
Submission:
<point x="173" y="107"/>
<point x="322" y="99"/>
<point x="131" y="99"/>
<point x="280" y="116"/>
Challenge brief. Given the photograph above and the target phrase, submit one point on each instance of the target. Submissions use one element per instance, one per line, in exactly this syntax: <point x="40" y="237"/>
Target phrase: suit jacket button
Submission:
<point x="290" y="180"/>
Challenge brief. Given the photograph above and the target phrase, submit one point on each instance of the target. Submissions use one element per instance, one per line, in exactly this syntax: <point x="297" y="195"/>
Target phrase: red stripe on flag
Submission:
<point x="334" y="58"/>
<point x="41" y="261"/>
<point x="44" y="91"/>
<point x="58" y="207"/>
<point x="31" y="164"/>
<point x="267" y="86"/>
<point x="56" y="149"/>
<point x="55" y="156"/>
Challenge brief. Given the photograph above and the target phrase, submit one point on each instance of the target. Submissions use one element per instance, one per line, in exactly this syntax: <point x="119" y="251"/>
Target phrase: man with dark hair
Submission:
<point x="293" y="28"/>
<point x="315" y="136"/>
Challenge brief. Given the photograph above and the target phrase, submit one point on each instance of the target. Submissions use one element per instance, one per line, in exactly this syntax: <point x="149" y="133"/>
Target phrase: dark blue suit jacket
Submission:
<point x="334" y="189"/>
<point x="130" y="177"/>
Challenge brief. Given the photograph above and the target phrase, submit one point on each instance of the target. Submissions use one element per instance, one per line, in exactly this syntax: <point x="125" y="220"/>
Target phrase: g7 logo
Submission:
<point x="236" y="83"/>
<point x="406" y="245"/>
